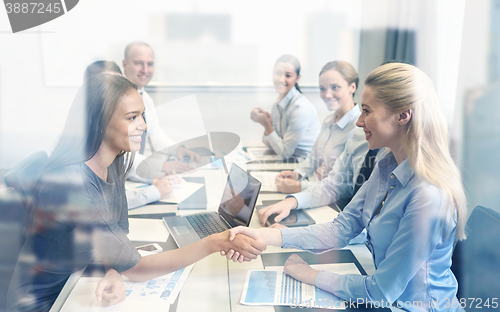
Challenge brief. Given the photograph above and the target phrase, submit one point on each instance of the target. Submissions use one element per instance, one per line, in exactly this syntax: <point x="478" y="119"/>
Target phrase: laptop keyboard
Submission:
<point x="206" y="224"/>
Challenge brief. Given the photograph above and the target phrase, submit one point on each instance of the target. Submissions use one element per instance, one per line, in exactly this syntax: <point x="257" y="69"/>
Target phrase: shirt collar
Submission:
<point x="288" y="97"/>
<point x="141" y="90"/>
<point x="404" y="172"/>
<point x="348" y="117"/>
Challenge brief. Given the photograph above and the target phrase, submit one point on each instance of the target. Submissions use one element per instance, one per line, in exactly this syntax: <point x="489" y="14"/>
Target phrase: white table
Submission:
<point x="214" y="284"/>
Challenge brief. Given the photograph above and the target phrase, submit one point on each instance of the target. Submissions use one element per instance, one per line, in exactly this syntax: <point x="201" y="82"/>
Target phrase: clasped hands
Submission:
<point x="261" y="116"/>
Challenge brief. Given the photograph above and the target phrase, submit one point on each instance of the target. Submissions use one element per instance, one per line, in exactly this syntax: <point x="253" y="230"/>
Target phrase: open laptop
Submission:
<point x="236" y="208"/>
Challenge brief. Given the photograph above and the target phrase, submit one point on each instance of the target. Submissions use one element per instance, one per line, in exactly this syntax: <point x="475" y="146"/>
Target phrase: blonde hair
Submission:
<point x="401" y="87"/>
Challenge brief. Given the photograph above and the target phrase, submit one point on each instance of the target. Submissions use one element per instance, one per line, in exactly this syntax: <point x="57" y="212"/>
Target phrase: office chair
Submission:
<point x="12" y="222"/>
<point x="23" y="176"/>
<point x="476" y="260"/>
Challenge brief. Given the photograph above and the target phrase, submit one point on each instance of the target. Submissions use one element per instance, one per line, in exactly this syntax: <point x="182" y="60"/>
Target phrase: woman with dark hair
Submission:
<point x="99" y="67"/>
<point x="292" y="126"/>
<point x="79" y="206"/>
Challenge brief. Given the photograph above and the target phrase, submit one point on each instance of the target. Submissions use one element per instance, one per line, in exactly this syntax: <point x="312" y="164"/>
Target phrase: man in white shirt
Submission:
<point x="138" y="67"/>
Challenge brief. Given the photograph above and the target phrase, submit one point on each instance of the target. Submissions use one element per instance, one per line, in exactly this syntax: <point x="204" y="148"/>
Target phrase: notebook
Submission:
<point x="236" y="208"/>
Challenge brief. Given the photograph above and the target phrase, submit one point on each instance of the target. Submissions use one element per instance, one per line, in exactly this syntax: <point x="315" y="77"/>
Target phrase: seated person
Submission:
<point x="292" y="126"/>
<point x="161" y="185"/>
<point x="338" y="82"/>
<point x="79" y="206"/>
<point x="413" y="207"/>
<point x="338" y="188"/>
<point x="138" y="67"/>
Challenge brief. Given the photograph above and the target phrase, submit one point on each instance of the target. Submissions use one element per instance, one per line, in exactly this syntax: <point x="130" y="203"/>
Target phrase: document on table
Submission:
<point x="259" y="152"/>
<point x="273" y="287"/>
<point x="180" y="191"/>
<point x="147" y="230"/>
<point x="152" y="295"/>
<point x="272" y="166"/>
<point x="267" y="178"/>
<point x="161" y="289"/>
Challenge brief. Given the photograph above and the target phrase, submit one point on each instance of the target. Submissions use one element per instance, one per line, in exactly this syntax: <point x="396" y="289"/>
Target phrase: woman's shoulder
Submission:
<point x="301" y="100"/>
<point x="61" y="185"/>
<point x="69" y="174"/>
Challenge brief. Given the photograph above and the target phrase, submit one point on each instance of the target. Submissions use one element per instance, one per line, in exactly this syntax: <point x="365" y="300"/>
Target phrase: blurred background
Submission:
<point x="223" y="52"/>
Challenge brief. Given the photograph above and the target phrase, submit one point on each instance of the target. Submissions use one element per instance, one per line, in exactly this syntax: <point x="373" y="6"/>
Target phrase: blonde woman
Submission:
<point x="338" y="81"/>
<point x="413" y="206"/>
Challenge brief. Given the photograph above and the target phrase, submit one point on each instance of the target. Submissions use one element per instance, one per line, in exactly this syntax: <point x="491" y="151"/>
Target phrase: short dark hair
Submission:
<point x="99" y="67"/>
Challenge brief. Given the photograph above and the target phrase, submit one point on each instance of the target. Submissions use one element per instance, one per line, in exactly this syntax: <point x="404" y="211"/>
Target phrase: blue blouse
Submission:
<point x="411" y="241"/>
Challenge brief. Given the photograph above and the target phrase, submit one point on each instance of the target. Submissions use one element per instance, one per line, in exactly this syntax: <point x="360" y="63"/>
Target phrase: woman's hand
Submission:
<point x="163" y="185"/>
<point x="110" y="289"/>
<point x="175" y="166"/>
<point x="241" y="248"/>
<point x="183" y="152"/>
<point x="236" y="254"/>
<point x="287" y="182"/>
<point x="282" y="208"/>
<point x="287" y="186"/>
<point x="259" y="115"/>
<point x="264" y="118"/>
<point x="287" y="174"/>
<point x="320" y="172"/>
<point x="265" y="236"/>
<point x="300" y="270"/>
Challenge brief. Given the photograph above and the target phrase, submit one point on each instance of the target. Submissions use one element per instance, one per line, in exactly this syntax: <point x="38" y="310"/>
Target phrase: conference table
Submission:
<point x="214" y="284"/>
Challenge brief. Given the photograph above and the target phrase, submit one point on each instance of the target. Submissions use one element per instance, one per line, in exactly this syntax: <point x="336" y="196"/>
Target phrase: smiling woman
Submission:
<point x="412" y="207"/>
<point x="79" y="205"/>
<point x="292" y="126"/>
<point x="338" y="82"/>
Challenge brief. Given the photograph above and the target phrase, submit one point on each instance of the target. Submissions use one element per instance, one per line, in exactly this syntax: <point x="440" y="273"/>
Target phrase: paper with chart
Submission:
<point x="267" y="178"/>
<point x="154" y="295"/>
<point x="273" y="287"/>
<point x="161" y="289"/>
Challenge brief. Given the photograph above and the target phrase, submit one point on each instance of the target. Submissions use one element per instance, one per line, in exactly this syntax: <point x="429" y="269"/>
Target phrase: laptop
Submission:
<point x="236" y="208"/>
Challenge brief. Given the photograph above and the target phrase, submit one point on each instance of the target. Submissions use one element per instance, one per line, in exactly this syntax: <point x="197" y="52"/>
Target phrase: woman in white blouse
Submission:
<point x="338" y="81"/>
<point x="292" y="126"/>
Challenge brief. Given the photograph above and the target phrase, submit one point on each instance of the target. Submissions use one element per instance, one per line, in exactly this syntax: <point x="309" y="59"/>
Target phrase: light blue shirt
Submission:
<point x="329" y="145"/>
<point x="410" y="239"/>
<point x="338" y="186"/>
<point x="296" y="126"/>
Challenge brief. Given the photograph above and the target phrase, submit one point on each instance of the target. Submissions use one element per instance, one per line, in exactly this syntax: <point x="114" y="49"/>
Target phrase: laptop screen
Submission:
<point x="239" y="197"/>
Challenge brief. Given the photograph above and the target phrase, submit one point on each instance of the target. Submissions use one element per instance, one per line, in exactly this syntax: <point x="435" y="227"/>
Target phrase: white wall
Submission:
<point x="41" y="68"/>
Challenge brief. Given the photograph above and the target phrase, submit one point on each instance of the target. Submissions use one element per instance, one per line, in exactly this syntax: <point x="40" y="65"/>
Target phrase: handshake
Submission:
<point x="245" y="244"/>
<point x="242" y="244"/>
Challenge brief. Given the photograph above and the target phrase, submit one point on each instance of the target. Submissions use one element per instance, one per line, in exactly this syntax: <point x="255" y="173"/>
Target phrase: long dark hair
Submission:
<point x="101" y="66"/>
<point x="87" y="121"/>
<point x="83" y="133"/>
<point x="287" y="58"/>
